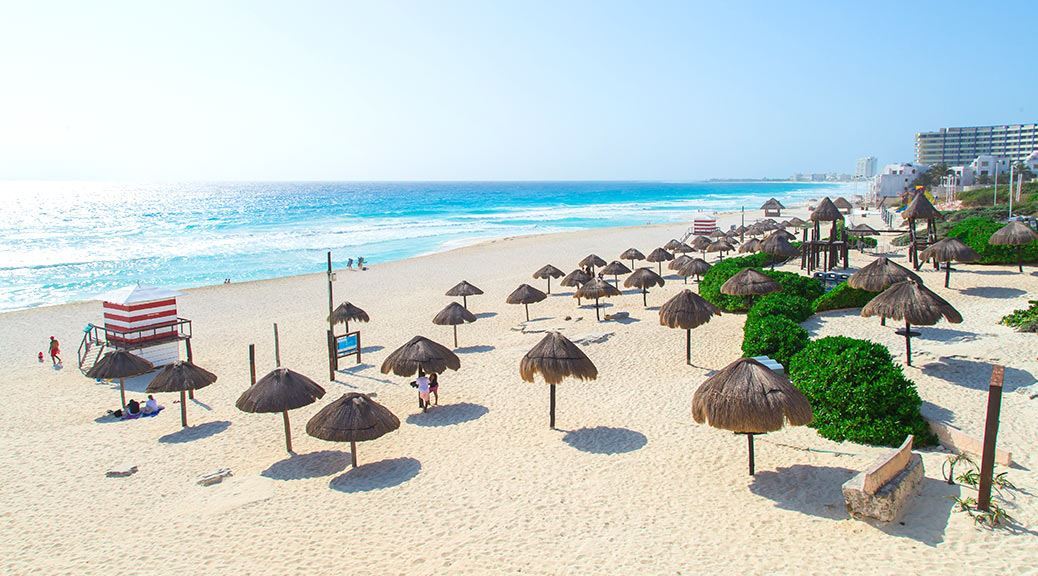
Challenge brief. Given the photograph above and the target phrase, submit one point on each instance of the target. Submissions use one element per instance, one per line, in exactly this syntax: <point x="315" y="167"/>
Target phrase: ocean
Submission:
<point x="62" y="241"/>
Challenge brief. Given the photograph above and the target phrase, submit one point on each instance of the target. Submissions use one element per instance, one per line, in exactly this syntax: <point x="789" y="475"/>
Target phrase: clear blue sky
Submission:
<point x="220" y="90"/>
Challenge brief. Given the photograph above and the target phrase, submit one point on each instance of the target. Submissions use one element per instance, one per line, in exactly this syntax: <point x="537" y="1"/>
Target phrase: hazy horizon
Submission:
<point x="469" y="91"/>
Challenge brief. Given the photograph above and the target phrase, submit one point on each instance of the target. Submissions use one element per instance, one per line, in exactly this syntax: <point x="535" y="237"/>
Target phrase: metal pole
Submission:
<point x="1010" y="189"/>
<point x="331" y="305"/>
<point x="332" y="356"/>
<point x="994" y="199"/>
<point x="987" y="461"/>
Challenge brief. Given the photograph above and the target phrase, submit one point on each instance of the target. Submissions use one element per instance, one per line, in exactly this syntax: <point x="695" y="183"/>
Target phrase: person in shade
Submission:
<point x="422" y="382"/>
<point x="434" y="388"/>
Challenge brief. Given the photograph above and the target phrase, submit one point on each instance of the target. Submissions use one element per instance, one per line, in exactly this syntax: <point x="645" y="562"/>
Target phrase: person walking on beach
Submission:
<point x="434" y="388"/>
<point x="360" y="262"/>
<point x="422" y="383"/>
<point x="55" y="351"/>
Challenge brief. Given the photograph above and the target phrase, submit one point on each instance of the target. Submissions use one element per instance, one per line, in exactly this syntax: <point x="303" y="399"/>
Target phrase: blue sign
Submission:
<point x="347" y="344"/>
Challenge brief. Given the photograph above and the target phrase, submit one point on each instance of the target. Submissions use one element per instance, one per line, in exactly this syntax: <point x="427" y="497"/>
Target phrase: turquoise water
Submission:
<point x="61" y="242"/>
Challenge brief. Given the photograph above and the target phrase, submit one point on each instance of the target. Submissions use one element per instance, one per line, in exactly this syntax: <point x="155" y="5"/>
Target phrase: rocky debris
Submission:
<point x="122" y="471"/>
<point x="617" y="316"/>
<point x="214" y="477"/>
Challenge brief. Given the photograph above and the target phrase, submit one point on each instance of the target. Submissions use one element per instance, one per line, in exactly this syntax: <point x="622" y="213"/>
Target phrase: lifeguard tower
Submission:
<point x="139" y="319"/>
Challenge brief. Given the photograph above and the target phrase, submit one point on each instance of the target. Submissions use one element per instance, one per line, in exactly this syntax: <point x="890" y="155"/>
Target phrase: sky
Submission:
<point x="526" y="90"/>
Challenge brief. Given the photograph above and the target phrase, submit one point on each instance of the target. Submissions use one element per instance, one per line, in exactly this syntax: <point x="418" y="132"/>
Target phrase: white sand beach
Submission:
<point x="628" y="484"/>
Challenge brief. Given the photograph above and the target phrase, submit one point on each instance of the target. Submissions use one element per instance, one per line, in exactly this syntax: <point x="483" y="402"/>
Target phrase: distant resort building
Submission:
<point x="866" y="168"/>
<point x="896" y="179"/>
<point x="960" y="146"/>
<point x="772" y="207"/>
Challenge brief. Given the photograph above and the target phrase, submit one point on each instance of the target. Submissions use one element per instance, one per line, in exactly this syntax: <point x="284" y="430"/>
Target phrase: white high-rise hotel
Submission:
<point x="866" y="167"/>
<point x="960" y="146"/>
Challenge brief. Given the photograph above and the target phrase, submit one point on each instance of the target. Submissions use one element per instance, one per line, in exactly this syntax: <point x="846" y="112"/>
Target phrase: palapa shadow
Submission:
<point x="487" y="314"/>
<point x="448" y="414"/>
<point x="992" y="292"/>
<point x="624" y="320"/>
<point x="813" y="490"/>
<point x="198" y="432"/>
<point x="975" y="374"/>
<point x="370" y="349"/>
<point x="474" y="349"/>
<point x="605" y="440"/>
<point x="312" y="465"/>
<point x="944" y="334"/>
<point x="377" y="475"/>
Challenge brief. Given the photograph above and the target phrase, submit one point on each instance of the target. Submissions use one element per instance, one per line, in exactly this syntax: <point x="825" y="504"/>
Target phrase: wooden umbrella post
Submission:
<point x="527" y="306"/>
<point x="353" y="453"/>
<point x="288" y="433"/>
<point x="688" y="346"/>
<point x="190" y="359"/>
<point x="464" y="302"/>
<point x="277" y="347"/>
<point x="947" y="273"/>
<point x="455" y="335"/>
<point x="908" y="342"/>
<point x="551" y="406"/>
<point x="749" y="444"/>
<point x="549" y="284"/>
<point x="183" y="410"/>
<point x="645" y="295"/>
<point x="122" y="393"/>
<point x="987" y="460"/>
<point x="252" y="364"/>
<point x="598" y="316"/>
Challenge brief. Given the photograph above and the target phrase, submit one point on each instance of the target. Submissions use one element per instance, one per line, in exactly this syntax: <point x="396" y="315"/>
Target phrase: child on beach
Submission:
<point x="55" y="351"/>
<point x="422" y="383"/>
<point x="434" y="388"/>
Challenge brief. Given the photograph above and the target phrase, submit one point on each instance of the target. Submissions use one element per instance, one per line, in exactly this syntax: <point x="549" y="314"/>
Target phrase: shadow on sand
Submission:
<point x="355" y="372"/>
<point x="943" y="334"/>
<point x="312" y="465"/>
<point x="605" y="440"/>
<point x="473" y="349"/>
<point x="482" y="315"/>
<point x="192" y="433"/>
<point x="814" y="490"/>
<point x="377" y="475"/>
<point x="975" y="374"/>
<point x="448" y="415"/>
<point x="370" y="349"/>
<point x="993" y="292"/>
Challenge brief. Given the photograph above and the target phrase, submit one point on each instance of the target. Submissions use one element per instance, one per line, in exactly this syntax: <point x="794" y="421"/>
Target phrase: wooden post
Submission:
<point x="549" y="286"/>
<point x="464" y="302"/>
<point x="527" y="306"/>
<point x="749" y="442"/>
<point x="122" y="393"/>
<point x="688" y="346"/>
<point x="353" y="453"/>
<point x="987" y="460"/>
<point x="947" y="273"/>
<point x="190" y="359"/>
<point x="908" y="342"/>
<point x="551" y="406"/>
<point x="645" y="294"/>
<point x="359" y="347"/>
<point x="597" y="315"/>
<point x="183" y="410"/>
<point x="331" y="297"/>
<point x="288" y="433"/>
<point x="455" y="335"/>
<point x="333" y="356"/>
<point x="277" y="347"/>
<point x="252" y="364"/>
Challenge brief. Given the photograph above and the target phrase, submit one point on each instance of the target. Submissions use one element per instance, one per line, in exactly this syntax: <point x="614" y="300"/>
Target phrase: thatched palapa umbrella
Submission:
<point x="280" y="391"/>
<point x="659" y="256"/>
<point x="697" y="267"/>
<point x="701" y="243"/>
<point x="632" y="255"/>
<point x="1014" y="234"/>
<point x="687" y="310"/>
<point x="548" y="272"/>
<point x="576" y="279"/>
<point x="525" y="295"/>
<point x="120" y="365"/>
<point x="879" y="275"/>
<point x="345" y="312"/>
<point x="749" y="246"/>
<point x="556" y="358"/>
<point x="591" y="261"/>
<point x="749" y="282"/>
<point x="464" y="289"/>
<point x="715" y="234"/>
<point x="843" y="204"/>
<point x="748" y="398"/>
<point x="720" y="246"/>
<point x="643" y="279"/>
<point x="420" y="354"/>
<point x="596" y="288"/>
<point x="860" y="231"/>
<point x="353" y="418"/>
<point x="947" y="250"/>
<point x="796" y="222"/>
<point x="778" y="247"/>
<point x="678" y="263"/>
<point x="453" y="315"/>
<point x="615" y="269"/>
<point x="915" y="304"/>
<point x="682" y="248"/>
<point x="180" y="376"/>
<point x="672" y="245"/>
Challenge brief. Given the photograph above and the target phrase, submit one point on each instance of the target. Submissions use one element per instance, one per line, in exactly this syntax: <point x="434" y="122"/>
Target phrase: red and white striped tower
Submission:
<point x="143" y="319"/>
<point x="704" y="224"/>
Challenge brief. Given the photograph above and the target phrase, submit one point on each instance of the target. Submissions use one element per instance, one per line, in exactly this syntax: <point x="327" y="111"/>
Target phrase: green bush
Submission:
<point x="975" y="233"/>
<point x="796" y="308"/>
<point x="710" y="285"/>
<point x="843" y="296"/>
<point x="1025" y="320"/>
<point x="777" y="337"/>
<point x="797" y="285"/>
<point x="857" y="393"/>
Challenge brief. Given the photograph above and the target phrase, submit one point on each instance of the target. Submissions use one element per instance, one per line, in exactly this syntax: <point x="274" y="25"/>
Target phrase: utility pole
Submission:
<point x="1010" y="188"/>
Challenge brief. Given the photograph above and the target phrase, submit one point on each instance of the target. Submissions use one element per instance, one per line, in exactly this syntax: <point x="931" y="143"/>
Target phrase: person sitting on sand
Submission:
<point x="133" y="409"/>
<point x="422" y="382"/>
<point x="434" y="388"/>
<point x="151" y="406"/>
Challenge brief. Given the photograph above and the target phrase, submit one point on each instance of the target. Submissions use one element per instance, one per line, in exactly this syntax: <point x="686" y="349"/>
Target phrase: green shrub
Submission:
<point x="797" y="285"/>
<point x="710" y="285"/>
<point x="796" y="308"/>
<point x="1025" y="320"/>
<point x="777" y="337"/>
<point x="843" y="296"/>
<point x="975" y="233"/>
<point x="857" y="393"/>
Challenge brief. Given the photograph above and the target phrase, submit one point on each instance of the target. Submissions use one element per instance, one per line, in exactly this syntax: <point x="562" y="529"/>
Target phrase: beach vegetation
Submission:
<point x="791" y="306"/>
<point x="719" y="273"/>
<point x="776" y="337"/>
<point x="796" y="284"/>
<point x="858" y="393"/>
<point x="1025" y="320"/>
<point x="842" y="297"/>
<point x="975" y="233"/>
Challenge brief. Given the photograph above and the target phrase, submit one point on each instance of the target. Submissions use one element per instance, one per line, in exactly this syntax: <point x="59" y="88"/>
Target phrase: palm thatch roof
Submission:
<point x="826" y="211"/>
<point x="879" y="274"/>
<point x="525" y="294"/>
<point x="591" y="260"/>
<point x="354" y="417"/>
<point x="842" y="203"/>
<point x="910" y="300"/>
<point x="679" y="261"/>
<point x="682" y="248"/>
<point x="741" y="229"/>
<point x="464" y="289"/>
<point x="797" y="222"/>
<point x="949" y="249"/>
<point x="119" y="364"/>
<point x="549" y="271"/>
<point x="783" y="233"/>
<point x="615" y="268"/>
<point x="420" y="353"/>
<point x="697" y="266"/>
<point x="180" y="375"/>
<point x="347" y="312"/>
<point x="596" y="288"/>
<point x="862" y="229"/>
<point x="716" y="233"/>
<point x="778" y="245"/>
<point x="556" y="358"/>
<point x="720" y="246"/>
<point x="453" y="315"/>
<point x="751" y="245"/>
<point x="687" y="310"/>
<point x="674" y="243"/>
<point x="748" y="397"/>
<point x="575" y="278"/>
<point x="920" y="208"/>
<point x="772" y="204"/>
<point x="632" y="254"/>
<point x="749" y="282"/>
<point x="700" y="242"/>
<point x="279" y="391"/>
<point x="1015" y="233"/>
<point x="659" y="255"/>
<point x="643" y="279"/>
